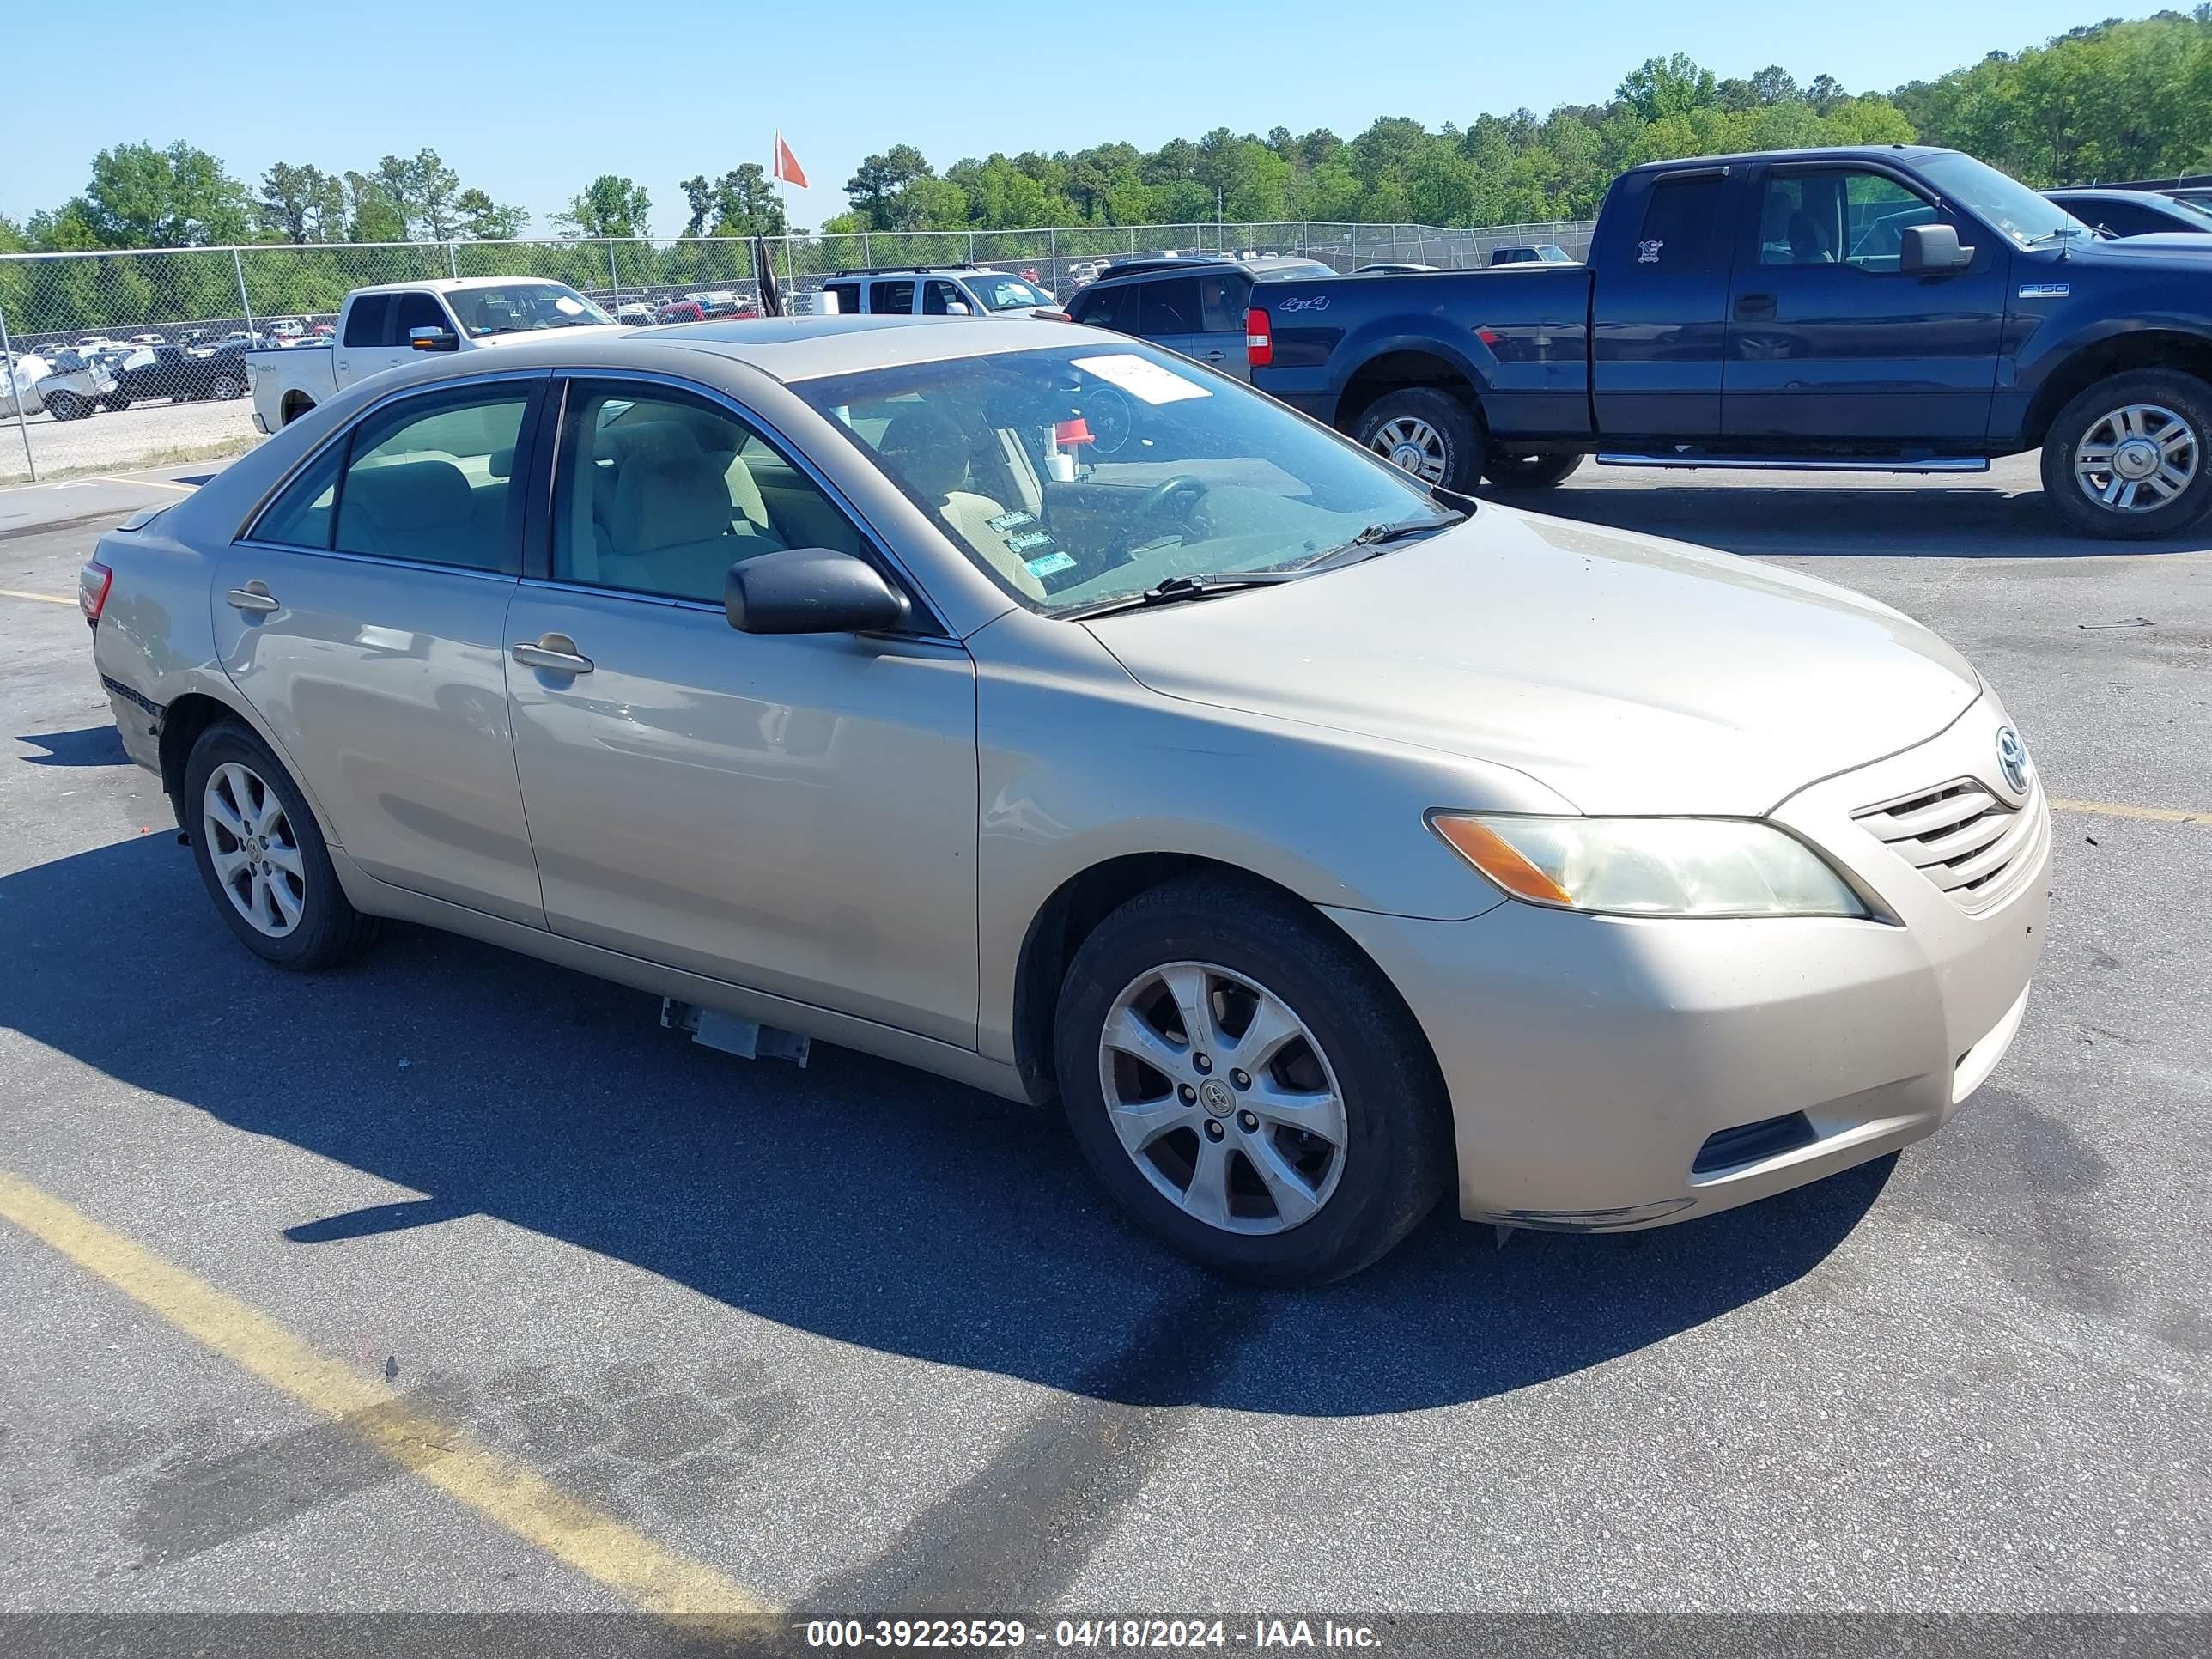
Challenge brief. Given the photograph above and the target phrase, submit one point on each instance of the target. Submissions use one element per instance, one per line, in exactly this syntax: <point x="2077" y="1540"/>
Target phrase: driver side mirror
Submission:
<point x="434" y="339"/>
<point x="810" y="590"/>
<point x="1924" y="248"/>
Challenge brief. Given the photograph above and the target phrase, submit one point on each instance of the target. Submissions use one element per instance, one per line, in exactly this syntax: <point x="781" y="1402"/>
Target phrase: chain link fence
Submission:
<point x="116" y="360"/>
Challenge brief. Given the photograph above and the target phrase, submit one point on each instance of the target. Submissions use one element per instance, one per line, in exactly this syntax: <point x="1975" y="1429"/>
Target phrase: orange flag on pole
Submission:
<point x="787" y="165"/>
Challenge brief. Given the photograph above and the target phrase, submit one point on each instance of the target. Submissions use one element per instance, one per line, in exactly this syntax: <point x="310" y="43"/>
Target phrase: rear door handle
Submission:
<point x="254" y="598"/>
<point x="1214" y="357"/>
<point x="1750" y="307"/>
<point x="555" y="652"/>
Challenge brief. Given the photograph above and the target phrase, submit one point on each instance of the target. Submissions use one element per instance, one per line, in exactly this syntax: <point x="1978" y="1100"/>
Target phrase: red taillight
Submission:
<point x="92" y="584"/>
<point x="1259" y="339"/>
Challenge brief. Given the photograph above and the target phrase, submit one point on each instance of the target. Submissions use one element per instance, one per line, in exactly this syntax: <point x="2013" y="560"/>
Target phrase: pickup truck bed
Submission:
<point x="1900" y="308"/>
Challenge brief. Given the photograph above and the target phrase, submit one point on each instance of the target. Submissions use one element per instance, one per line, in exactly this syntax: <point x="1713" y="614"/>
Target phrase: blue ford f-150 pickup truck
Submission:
<point x="1893" y="309"/>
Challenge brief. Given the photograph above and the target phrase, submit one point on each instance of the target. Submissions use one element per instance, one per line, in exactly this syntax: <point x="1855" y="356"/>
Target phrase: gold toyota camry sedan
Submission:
<point x="1040" y="708"/>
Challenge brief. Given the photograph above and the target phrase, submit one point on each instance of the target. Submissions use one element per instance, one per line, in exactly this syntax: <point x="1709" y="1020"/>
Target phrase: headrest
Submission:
<point x="668" y="502"/>
<point x="928" y="450"/>
<point x="408" y="495"/>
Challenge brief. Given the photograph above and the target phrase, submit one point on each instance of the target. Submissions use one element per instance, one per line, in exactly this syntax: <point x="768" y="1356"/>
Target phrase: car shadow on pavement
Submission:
<point x="1798" y="520"/>
<point x="92" y="746"/>
<point x="858" y="1200"/>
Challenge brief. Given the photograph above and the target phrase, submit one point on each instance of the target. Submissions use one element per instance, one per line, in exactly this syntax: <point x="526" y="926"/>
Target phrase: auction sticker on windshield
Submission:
<point x="1140" y="378"/>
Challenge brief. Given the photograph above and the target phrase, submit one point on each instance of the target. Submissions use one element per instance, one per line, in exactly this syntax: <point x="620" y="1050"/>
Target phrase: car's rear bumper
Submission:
<point x="1597" y="1066"/>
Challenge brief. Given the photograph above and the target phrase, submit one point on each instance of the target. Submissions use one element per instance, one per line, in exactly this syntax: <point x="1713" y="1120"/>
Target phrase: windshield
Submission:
<point x="2195" y="213"/>
<point x="1293" y="271"/>
<point x="1007" y="293"/>
<point x="1079" y="475"/>
<point x="514" y="308"/>
<point x="2006" y="202"/>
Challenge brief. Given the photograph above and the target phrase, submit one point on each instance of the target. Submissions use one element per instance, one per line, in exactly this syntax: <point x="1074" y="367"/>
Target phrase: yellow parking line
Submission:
<point x="2114" y="809"/>
<point x="43" y="598"/>
<point x="651" y="1576"/>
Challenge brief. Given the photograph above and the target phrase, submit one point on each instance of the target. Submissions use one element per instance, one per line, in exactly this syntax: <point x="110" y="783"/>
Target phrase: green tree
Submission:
<point x="176" y="196"/>
<point x="609" y="205"/>
<point x="1662" y="86"/>
<point x="482" y="220"/>
<point x="874" y="189"/>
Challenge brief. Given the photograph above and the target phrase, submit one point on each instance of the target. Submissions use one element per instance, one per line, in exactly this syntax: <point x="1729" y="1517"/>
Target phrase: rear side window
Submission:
<point x="1681" y="224"/>
<point x="428" y="480"/>
<point x="849" y="297"/>
<point x="1168" y="307"/>
<point x="365" y="320"/>
<point x="301" y="517"/>
<point x="893" y="299"/>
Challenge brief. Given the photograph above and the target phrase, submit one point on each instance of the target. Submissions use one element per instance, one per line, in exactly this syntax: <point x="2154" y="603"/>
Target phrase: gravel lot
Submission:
<point x="855" y="1339"/>
<point x="142" y="435"/>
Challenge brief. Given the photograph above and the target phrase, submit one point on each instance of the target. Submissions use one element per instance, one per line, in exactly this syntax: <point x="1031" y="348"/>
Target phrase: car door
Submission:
<point x="1659" y="321"/>
<point x="795" y="814"/>
<point x="1223" y="298"/>
<point x="1828" y="339"/>
<point x="364" y="616"/>
<point x="1169" y="314"/>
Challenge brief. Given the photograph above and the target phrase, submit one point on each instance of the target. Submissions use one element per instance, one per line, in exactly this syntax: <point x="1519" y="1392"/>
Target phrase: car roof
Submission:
<point x="1816" y="152"/>
<point x="451" y="284"/>
<point x="792" y="348"/>
<point x="2079" y="192"/>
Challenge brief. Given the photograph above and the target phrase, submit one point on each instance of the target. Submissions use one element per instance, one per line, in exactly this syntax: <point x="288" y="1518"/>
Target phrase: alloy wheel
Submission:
<point x="2137" y="458"/>
<point x="1412" y="443"/>
<point x="1222" y="1096"/>
<point x="250" y="844"/>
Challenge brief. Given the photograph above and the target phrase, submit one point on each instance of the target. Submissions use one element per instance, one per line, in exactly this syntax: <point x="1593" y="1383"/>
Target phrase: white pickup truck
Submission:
<point x="379" y="328"/>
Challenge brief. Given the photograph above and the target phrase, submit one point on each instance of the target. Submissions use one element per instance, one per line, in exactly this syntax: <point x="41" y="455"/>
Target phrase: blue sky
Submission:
<point x="529" y="103"/>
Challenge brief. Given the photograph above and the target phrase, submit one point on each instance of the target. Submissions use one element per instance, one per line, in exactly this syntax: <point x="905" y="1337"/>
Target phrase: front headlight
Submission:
<point x="1651" y="866"/>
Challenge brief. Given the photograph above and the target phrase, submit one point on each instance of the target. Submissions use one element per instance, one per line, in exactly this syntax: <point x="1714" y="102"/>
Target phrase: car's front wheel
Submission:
<point x="1246" y="1085"/>
<point x="227" y="387"/>
<point x="262" y="854"/>
<point x="2128" y="456"/>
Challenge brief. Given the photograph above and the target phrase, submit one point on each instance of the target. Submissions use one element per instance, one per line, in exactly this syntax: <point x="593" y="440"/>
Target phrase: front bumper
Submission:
<point x="1590" y="1060"/>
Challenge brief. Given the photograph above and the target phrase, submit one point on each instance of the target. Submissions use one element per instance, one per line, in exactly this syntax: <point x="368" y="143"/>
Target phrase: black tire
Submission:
<point x="1454" y="423"/>
<point x="225" y="387"/>
<point x="329" y="930"/>
<point x="1509" y="471"/>
<point x="66" y="406"/>
<point x="116" y="401"/>
<point x="2183" y="397"/>
<point x="1397" y="1154"/>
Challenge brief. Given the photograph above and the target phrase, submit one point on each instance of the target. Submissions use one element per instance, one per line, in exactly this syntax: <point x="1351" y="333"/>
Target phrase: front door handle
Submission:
<point x="555" y="652"/>
<point x="1753" y="308"/>
<point x="254" y="598"/>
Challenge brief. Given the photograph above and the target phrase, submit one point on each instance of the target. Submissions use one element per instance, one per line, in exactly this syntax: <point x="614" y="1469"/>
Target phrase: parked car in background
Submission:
<point x="679" y="311"/>
<point x="1540" y="253"/>
<point x="1889" y="308"/>
<point x="79" y="382"/>
<point x="286" y="328"/>
<point x="1195" y="306"/>
<point x="1324" y="846"/>
<point x="937" y="291"/>
<point x="20" y="375"/>
<point x="1391" y="268"/>
<point x="2134" y="212"/>
<point x="634" y="311"/>
<point x="381" y="327"/>
<point x="186" y="374"/>
<point x="148" y="339"/>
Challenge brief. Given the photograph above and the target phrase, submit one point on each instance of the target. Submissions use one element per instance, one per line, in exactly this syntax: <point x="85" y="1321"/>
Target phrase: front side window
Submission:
<point x="1838" y="217"/>
<point x="415" y="311"/>
<point x="1077" y="475"/>
<point x="661" y="493"/>
<point x="940" y="296"/>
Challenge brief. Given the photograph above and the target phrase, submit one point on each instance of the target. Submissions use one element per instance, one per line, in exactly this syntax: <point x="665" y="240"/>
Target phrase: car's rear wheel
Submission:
<point x="2131" y="456"/>
<point x="1247" y="1086"/>
<point x="227" y="387"/>
<point x="1512" y="471"/>
<point x="263" y="857"/>
<point x="66" y="406"/>
<point x="1427" y="432"/>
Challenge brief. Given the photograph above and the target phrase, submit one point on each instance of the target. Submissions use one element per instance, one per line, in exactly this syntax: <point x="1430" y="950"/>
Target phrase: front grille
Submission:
<point x="1961" y="837"/>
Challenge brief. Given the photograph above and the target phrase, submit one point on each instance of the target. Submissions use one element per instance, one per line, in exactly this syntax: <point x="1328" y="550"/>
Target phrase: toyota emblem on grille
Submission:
<point x="2012" y="760"/>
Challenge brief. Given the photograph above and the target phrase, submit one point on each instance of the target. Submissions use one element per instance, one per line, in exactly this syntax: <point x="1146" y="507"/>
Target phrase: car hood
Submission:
<point x="2160" y="247"/>
<point x="1626" y="673"/>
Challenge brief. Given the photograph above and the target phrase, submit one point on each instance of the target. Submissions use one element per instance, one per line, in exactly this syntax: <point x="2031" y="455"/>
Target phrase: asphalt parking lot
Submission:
<point x="450" y="1282"/>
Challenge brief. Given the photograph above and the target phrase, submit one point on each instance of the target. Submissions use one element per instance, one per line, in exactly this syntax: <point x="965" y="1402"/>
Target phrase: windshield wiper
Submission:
<point x="1379" y="535"/>
<point x="2063" y="231"/>
<point x="1175" y="590"/>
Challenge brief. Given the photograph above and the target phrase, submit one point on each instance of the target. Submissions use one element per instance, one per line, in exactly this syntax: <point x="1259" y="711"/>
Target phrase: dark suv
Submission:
<point x="1193" y="305"/>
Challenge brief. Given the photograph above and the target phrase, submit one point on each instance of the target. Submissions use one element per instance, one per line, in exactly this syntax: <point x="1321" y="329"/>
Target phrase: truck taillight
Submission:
<point x="1259" y="338"/>
<point x="92" y="584"/>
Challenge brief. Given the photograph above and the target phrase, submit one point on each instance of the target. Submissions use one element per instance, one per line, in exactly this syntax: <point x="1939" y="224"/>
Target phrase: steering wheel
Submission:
<point x="1175" y="498"/>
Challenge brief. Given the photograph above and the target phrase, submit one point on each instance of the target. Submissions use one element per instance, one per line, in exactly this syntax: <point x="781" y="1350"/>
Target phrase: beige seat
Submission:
<point x="929" y="453"/>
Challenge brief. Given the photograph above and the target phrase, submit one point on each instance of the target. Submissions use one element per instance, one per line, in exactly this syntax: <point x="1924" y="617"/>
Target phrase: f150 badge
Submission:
<point x="1319" y="302"/>
<point x="2045" y="290"/>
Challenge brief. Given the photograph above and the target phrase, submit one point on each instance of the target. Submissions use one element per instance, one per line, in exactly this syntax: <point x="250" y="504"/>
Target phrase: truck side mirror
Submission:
<point x="1924" y="248"/>
<point x="434" y="339"/>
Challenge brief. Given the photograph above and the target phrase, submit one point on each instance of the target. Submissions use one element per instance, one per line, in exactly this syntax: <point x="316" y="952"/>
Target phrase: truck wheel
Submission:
<point x="1529" y="471"/>
<point x="2128" y="458"/>
<point x="225" y="387"/>
<point x="66" y="406"/>
<point x="1429" y="433"/>
<point x="1245" y="1084"/>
